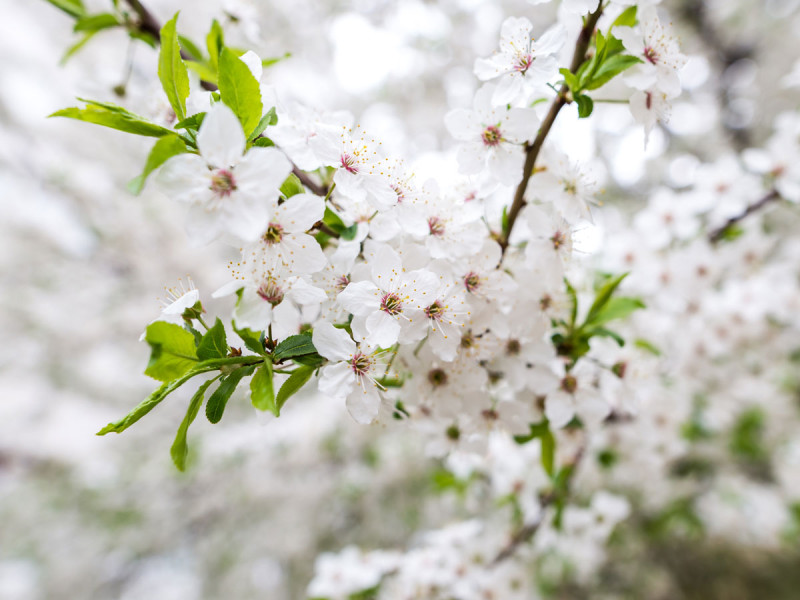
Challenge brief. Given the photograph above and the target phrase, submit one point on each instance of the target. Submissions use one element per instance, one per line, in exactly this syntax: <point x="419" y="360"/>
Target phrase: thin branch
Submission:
<point x="532" y="152"/>
<point x="316" y="188"/>
<point x="717" y="234"/>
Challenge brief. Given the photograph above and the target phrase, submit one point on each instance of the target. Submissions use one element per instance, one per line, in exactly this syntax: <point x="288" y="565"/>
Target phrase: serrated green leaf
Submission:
<point x="604" y="295"/>
<point x="172" y="351"/>
<point x="291" y="386"/>
<point x="95" y="23"/>
<point x="74" y="8"/>
<point x="292" y="186"/>
<point x="616" y="308"/>
<point x="219" y="399"/>
<point x="251" y="339"/>
<point x="214" y="343"/>
<point x="164" y="149"/>
<point x="239" y="89"/>
<point x="262" y="392"/>
<point x="171" y="70"/>
<point x="119" y="120"/>
<point x="585" y="105"/>
<point x="270" y="118"/>
<point x="147" y="404"/>
<point x="180" y="448"/>
<point x="626" y="19"/>
<point x="315" y="361"/>
<point x="295" y="345"/>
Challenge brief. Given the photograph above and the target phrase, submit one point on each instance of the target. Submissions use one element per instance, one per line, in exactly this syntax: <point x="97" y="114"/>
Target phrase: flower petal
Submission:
<point x="221" y="139"/>
<point x="332" y="343"/>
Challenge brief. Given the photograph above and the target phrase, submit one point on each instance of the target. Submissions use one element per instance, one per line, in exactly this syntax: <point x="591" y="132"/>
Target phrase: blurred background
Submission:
<point x="84" y="265"/>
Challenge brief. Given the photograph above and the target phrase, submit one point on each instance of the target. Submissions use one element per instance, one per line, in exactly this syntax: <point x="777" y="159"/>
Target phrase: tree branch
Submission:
<point x="532" y="152"/>
<point x="717" y="234"/>
<point x="315" y="188"/>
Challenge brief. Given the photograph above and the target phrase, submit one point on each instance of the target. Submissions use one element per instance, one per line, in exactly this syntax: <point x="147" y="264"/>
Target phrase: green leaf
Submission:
<point x="647" y="346"/>
<point x="316" y="361"/>
<point x="239" y="89"/>
<point x="570" y="79"/>
<point x="180" y="448"/>
<point x="332" y="220"/>
<point x="263" y="142"/>
<point x="95" y="23"/>
<point x="548" y="452"/>
<point x="164" y="149"/>
<point x="214" y="343"/>
<point x="262" y="392"/>
<point x="143" y="36"/>
<point x="121" y="120"/>
<point x="603" y="332"/>
<point x="191" y="48"/>
<point x="610" y="69"/>
<point x="268" y="62"/>
<point x="74" y="48"/>
<point x="291" y="386"/>
<point x="604" y="295"/>
<point x="251" y="339"/>
<point x="203" y="70"/>
<point x="295" y="345"/>
<point x="585" y="105"/>
<point x="292" y="186"/>
<point x="173" y="351"/>
<point x="270" y="118"/>
<point x="616" y="308"/>
<point x="504" y="221"/>
<point x="73" y="8"/>
<point x="147" y="404"/>
<point x="192" y="122"/>
<point x="537" y="431"/>
<point x="573" y="298"/>
<point x="215" y="42"/>
<point x="171" y="71"/>
<point x="349" y="233"/>
<point x="626" y="19"/>
<point x="219" y="399"/>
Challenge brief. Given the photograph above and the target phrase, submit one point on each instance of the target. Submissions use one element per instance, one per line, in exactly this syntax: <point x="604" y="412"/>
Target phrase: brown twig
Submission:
<point x="717" y="234"/>
<point x="532" y="150"/>
<point x="316" y="188"/>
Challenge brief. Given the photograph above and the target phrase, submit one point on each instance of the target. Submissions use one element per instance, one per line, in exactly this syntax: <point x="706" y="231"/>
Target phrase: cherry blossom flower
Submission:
<point x="229" y="191"/>
<point x="353" y="375"/>
<point x="492" y="136"/>
<point x="522" y="62"/>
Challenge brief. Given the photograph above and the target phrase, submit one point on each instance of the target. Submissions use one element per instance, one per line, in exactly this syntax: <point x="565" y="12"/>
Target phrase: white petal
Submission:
<point x="463" y="124"/>
<point x="383" y="329"/>
<point x="303" y="253"/>
<point x="505" y="163"/>
<point x="185" y="178"/>
<point x="559" y="409"/>
<point x="360" y="298"/>
<point x="253" y="62"/>
<point x="520" y="125"/>
<point x="299" y="213"/>
<point x="304" y="293"/>
<point x="337" y="380"/>
<point x="261" y="172"/>
<point x="471" y="158"/>
<point x="253" y="312"/>
<point x="220" y="139"/>
<point x="332" y="343"/>
<point x="364" y="404"/>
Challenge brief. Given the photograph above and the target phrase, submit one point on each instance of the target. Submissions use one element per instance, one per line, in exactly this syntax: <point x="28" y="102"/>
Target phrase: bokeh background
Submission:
<point x="83" y="265"/>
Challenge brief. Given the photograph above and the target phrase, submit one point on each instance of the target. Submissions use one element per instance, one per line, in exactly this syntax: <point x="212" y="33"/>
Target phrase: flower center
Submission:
<point x="349" y="163"/>
<point x="545" y="302"/>
<point x="492" y="136"/>
<point x="436" y="226"/>
<point x="437" y="377"/>
<point x="361" y="363"/>
<point x="274" y="234"/>
<point x="651" y="55"/>
<point x="399" y="191"/>
<point x="435" y="311"/>
<point x="391" y="304"/>
<point x="569" y="384"/>
<point x="222" y="183"/>
<point x="558" y="239"/>
<point x="468" y="340"/>
<point x="342" y="282"/>
<point x="619" y="369"/>
<point x="513" y="347"/>
<point x="270" y="291"/>
<point x="452" y="433"/>
<point x="524" y="62"/>
<point x="472" y="281"/>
